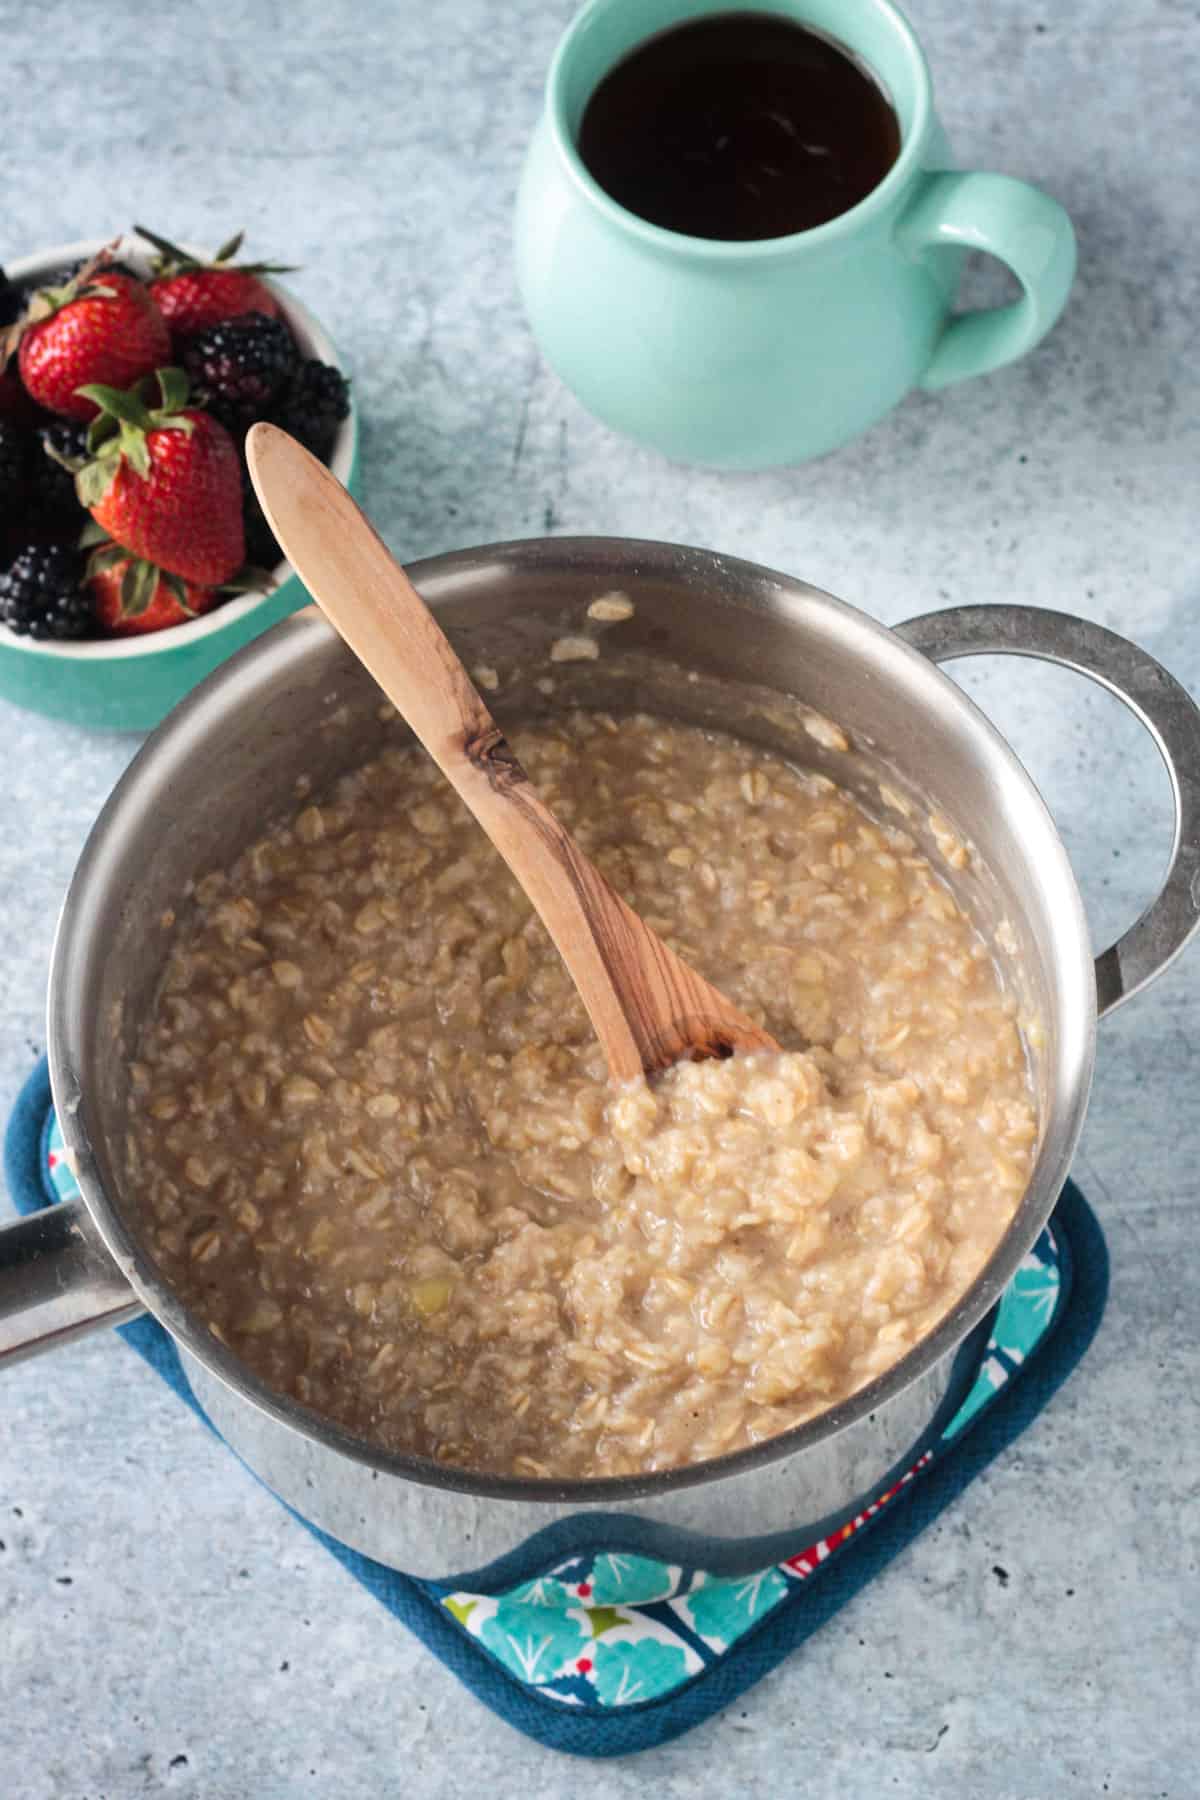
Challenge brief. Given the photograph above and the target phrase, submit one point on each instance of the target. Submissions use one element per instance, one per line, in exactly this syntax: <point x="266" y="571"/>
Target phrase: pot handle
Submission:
<point x="1164" y="707"/>
<point x="57" y="1281"/>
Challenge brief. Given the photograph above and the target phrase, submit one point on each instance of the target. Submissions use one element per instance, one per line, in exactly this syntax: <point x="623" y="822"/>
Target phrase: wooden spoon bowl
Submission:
<point x="648" y="1008"/>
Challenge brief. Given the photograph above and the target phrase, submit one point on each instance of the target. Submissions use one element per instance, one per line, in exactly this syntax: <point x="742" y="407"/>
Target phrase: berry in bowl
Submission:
<point x="133" y="554"/>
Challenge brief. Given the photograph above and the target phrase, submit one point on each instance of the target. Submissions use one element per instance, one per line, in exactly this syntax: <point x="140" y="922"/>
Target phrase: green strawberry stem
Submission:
<point x="250" y="579"/>
<point x="126" y="409"/>
<point x="72" y="464"/>
<point x="179" y="260"/>
<point x="140" y="581"/>
<point x="174" y="261"/>
<point x="47" y="301"/>
<point x="92" y="535"/>
<point x="106" y="555"/>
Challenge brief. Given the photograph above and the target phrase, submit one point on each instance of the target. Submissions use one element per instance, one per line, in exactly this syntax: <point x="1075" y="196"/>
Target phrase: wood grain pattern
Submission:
<point x="648" y="1008"/>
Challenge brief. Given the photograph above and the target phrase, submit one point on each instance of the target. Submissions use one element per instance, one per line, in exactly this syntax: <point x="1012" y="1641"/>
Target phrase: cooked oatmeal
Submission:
<point x="377" y="1153"/>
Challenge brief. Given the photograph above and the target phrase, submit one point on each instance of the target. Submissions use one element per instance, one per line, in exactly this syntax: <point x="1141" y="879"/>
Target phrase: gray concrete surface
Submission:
<point x="164" y="1627"/>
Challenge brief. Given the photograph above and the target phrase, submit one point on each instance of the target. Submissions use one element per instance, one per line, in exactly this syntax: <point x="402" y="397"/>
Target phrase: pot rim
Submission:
<point x="203" y="708"/>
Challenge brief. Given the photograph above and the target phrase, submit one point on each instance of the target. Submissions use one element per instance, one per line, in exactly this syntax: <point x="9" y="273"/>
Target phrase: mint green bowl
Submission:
<point x="129" y="684"/>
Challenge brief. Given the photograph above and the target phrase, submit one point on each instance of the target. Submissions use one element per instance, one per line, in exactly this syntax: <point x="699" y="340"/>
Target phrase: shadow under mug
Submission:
<point x="750" y="355"/>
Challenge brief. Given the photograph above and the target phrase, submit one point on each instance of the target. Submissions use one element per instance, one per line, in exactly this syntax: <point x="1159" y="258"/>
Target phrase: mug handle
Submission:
<point x="1159" y="702"/>
<point x="1024" y="228"/>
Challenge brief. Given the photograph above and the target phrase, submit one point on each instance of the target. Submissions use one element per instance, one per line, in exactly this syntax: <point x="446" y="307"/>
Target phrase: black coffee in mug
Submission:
<point x="739" y="126"/>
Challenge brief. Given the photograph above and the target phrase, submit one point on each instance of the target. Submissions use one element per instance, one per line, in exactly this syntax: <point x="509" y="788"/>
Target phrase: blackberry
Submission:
<point x="12" y="301"/>
<point x="237" y="420"/>
<point x="262" y="547"/>
<point x="237" y="366"/>
<point x="42" y="596"/>
<point x="52" y="484"/>
<point x="14" y="469"/>
<point x="313" y="405"/>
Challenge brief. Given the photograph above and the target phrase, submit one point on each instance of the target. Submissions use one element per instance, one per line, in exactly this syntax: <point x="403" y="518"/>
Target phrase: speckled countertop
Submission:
<point x="164" y="1627"/>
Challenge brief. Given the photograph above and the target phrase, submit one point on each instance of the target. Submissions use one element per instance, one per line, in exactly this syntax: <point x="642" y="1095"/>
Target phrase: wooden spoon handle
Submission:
<point x="647" y="1007"/>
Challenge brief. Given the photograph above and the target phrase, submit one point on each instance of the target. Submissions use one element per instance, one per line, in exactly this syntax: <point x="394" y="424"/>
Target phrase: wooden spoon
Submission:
<point x="649" y="1009"/>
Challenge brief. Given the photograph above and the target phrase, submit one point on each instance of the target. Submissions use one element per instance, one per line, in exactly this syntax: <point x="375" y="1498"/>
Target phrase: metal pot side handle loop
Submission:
<point x="57" y="1281"/>
<point x="1164" y="707"/>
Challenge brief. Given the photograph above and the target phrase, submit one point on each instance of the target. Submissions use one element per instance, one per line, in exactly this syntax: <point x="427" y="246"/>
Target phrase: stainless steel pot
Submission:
<point x="714" y="641"/>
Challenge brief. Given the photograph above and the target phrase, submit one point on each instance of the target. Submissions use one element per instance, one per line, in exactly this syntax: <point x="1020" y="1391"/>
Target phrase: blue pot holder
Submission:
<point x="599" y="1653"/>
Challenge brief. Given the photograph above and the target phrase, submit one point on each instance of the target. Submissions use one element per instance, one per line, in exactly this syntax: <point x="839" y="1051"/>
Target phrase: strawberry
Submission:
<point x="193" y="295"/>
<point x="130" y="596"/>
<point x="165" y="483"/>
<point x="101" y="327"/>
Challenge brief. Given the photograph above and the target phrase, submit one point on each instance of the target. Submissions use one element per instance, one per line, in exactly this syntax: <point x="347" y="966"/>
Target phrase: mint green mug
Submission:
<point x="750" y="355"/>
